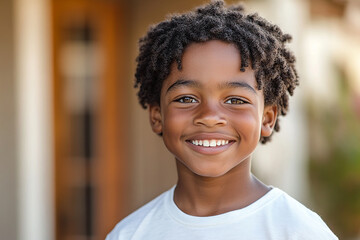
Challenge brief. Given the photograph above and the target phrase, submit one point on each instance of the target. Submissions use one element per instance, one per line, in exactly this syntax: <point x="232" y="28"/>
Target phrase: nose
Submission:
<point x="209" y="115"/>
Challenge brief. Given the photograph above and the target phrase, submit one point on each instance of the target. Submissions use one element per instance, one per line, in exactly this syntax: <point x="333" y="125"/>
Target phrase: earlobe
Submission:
<point x="155" y="118"/>
<point x="269" y="120"/>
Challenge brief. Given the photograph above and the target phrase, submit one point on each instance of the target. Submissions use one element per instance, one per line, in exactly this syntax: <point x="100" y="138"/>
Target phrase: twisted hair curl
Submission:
<point x="260" y="43"/>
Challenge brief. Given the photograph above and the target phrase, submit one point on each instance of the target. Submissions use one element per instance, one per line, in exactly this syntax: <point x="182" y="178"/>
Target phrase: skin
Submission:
<point x="210" y="98"/>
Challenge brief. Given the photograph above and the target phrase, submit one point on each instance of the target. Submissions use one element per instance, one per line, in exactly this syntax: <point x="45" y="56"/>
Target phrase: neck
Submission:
<point x="206" y="196"/>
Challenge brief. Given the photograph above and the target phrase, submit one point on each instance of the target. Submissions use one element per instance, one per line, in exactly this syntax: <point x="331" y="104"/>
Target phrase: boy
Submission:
<point x="215" y="80"/>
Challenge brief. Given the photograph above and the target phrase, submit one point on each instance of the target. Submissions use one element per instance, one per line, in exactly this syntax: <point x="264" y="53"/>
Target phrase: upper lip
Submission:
<point x="210" y="136"/>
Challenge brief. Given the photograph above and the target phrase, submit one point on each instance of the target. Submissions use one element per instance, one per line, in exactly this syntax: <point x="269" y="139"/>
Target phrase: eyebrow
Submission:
<point x="237" y="84"/>
<point x="183" y="82"/>
<point x="192" y="83"/>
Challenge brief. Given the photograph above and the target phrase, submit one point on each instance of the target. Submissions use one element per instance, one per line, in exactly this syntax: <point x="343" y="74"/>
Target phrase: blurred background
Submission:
<point x="76" y="150"/>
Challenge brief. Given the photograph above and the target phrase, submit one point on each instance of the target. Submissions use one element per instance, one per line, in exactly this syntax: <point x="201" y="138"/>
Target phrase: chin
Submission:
<point x="209" y="173"/>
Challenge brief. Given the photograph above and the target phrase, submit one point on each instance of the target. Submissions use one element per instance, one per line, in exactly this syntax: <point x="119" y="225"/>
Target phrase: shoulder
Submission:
<point x="299" y="221"/>
<point x="127" y="227"/>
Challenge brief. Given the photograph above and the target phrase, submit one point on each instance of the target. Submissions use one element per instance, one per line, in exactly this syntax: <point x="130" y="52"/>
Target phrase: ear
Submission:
<point x="269" y="120"/>
<point x="155" y="118"/>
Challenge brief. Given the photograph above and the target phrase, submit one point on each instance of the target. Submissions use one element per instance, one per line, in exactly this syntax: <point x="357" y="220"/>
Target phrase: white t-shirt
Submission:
<point x="274" y="216"/>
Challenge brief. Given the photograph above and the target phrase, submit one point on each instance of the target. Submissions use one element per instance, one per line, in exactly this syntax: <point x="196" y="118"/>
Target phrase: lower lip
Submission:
<point x="209" y="150"/>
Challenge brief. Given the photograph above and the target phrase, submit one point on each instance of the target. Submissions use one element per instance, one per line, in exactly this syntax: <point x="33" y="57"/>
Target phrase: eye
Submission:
<point x="236" y="101"/>
<point x="186" y="99"/>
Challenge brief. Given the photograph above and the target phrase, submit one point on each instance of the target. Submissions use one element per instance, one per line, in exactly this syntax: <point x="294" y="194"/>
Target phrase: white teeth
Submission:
<point x="210" y="143"/>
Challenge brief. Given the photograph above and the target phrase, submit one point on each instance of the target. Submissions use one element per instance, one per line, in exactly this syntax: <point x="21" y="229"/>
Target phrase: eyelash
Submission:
<point x="239" y="101"/>
<point x="187" y="99"/>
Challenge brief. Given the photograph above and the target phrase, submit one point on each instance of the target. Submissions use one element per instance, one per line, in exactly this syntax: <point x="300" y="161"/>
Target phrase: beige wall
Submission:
<point x="8" y="173"/>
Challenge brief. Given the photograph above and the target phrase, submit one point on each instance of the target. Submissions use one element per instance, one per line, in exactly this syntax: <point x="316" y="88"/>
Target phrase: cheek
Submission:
<point x="173" y="120"/>
<point x="174" y="123"/>
<point x="249" y="126"/>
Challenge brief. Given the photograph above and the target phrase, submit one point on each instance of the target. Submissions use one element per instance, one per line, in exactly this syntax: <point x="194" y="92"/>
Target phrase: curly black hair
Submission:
<point x="260" y="43"/>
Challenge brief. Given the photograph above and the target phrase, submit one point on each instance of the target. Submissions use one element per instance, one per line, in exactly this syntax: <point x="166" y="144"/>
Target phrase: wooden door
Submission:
<point x="89" y="118"/>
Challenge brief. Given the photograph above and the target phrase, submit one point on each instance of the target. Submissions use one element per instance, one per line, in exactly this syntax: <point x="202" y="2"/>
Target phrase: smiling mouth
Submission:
<point x="210" y="143"/>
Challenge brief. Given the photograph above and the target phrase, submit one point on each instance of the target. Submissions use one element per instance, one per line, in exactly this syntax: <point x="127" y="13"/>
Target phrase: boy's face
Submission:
<point x="211" y="114"/>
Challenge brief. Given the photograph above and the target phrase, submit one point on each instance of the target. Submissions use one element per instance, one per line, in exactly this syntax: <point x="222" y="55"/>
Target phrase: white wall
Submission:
<point x="33" y="74"/>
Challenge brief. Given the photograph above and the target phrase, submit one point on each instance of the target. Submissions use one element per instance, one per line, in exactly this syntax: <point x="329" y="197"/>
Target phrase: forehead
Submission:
<point x="210" y="63"/>
<point x="211" y="53"/>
